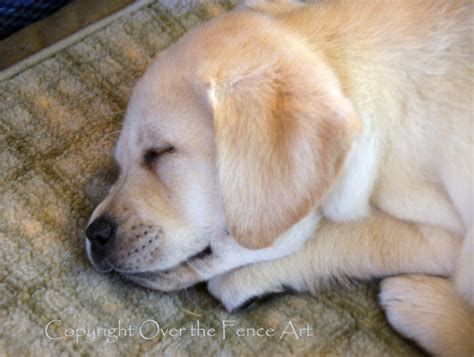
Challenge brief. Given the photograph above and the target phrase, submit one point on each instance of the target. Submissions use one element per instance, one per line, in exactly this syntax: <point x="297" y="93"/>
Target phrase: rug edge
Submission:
<point x="69" y="40"/>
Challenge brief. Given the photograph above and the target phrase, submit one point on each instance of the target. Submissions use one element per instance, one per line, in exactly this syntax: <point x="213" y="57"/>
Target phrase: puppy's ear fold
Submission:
<point x="283" y="131"/>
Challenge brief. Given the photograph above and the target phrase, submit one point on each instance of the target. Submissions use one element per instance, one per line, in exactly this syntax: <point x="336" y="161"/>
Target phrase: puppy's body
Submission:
<point x="281" y="113"/>
<point x="410" y="78"/>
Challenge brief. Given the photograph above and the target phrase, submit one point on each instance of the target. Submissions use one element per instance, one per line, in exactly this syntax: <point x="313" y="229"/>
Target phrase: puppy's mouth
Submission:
<point x="199" y="255"/>
<point x="207" y="251"/>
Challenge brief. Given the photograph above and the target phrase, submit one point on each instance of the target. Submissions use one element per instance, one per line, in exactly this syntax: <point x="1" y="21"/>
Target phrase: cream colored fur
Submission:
<point x="356" y="111"/>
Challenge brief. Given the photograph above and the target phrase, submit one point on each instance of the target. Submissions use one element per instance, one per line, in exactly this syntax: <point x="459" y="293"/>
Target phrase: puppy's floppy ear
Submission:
<point x="283" y="130"/>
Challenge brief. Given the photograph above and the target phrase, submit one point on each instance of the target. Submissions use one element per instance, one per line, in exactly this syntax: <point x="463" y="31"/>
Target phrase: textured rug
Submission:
<point x="59" y="119"/>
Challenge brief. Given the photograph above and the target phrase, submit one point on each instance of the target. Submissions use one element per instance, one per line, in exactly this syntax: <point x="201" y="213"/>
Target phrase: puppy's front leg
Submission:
<point x="374" y="247"/>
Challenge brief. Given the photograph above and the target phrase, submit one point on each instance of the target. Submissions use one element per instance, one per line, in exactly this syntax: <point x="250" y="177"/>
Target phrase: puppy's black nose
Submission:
<point x="101" y="230"/>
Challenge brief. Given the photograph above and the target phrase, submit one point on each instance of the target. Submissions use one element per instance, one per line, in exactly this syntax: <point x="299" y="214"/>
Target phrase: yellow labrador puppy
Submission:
<point x="303" y="143"/>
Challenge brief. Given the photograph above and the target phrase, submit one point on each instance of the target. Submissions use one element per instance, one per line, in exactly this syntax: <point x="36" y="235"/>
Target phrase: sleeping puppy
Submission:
<point x="303" y="143"/>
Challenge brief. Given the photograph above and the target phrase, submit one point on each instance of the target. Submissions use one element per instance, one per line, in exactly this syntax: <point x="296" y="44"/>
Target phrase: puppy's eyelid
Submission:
<point x="151" y="155"/>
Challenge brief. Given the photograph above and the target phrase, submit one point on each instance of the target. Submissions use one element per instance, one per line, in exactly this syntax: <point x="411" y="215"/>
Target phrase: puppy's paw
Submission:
<point x="240" y="288"/>
<point x="428" y="310"/>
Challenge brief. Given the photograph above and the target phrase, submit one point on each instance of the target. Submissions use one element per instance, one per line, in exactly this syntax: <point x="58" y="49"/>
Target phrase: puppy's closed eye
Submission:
<point x="151" y="155"/>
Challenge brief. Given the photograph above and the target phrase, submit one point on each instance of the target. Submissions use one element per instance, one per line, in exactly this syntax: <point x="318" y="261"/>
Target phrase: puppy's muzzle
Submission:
<point x="101" y="233"/>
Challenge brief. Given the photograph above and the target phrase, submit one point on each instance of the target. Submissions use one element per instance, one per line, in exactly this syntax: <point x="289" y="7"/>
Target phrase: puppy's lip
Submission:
<point x="199" y="255"/>
<point x="103" y="266"/>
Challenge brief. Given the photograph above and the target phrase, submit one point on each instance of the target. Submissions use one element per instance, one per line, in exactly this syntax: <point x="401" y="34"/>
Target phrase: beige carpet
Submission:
<point x="59" y="119"/>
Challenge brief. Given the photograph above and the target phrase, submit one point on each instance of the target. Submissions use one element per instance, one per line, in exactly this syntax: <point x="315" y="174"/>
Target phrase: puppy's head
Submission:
<point x="239" y="128"/>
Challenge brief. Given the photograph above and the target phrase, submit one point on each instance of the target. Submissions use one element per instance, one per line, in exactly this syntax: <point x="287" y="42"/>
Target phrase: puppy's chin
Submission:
<point x="179" y="277"/>
<point x="144" y="274"/>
